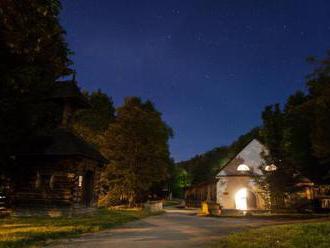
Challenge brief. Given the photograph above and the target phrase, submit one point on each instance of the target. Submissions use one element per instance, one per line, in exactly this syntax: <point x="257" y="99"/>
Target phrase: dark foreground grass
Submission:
<point x="281" y="236"/>
<point x="34" y="231"/>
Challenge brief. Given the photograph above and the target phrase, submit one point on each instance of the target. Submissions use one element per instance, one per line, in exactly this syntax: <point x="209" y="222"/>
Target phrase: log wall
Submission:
<point x="54" y="183"/>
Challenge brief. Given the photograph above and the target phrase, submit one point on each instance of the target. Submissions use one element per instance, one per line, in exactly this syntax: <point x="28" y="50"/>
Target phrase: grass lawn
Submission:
<point x="288" y="236"/>
<point x="169" y="203"/>
<point x="34" y="231"/>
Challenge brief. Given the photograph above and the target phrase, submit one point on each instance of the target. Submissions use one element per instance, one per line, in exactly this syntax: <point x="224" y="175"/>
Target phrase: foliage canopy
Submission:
<point x="136" y="143"/>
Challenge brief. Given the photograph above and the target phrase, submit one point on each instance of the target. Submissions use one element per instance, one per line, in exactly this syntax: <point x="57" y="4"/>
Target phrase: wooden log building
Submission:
<point x="60" y="170"/>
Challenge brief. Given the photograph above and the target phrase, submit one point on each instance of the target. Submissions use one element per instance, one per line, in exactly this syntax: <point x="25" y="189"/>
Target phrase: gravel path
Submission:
<point x="175" y="228"/>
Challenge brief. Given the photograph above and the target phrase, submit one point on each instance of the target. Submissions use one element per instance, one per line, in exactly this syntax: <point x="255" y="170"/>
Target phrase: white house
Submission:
<point x="236" y="187"/>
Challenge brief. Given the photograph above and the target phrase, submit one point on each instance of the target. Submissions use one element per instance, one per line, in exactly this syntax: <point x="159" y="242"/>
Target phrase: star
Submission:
<point x="176" y="11"/>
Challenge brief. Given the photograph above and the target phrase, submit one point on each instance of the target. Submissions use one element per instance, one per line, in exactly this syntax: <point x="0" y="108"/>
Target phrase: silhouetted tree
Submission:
<point x="319" y="104"/>
<point x="281" y="181"/>
<point x="33" y="54"/>
<point x="299" y="136"/>
<point x="91" y="123"/>
<point x="179" y="180"/>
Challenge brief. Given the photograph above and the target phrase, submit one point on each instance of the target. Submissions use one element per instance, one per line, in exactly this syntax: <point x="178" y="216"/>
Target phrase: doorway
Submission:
<point x="245" y="199"/>
<point x="88" y="185"/>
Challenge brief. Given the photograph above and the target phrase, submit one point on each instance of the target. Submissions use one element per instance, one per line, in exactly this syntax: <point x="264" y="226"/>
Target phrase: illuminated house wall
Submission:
<point x="236" y="177"/>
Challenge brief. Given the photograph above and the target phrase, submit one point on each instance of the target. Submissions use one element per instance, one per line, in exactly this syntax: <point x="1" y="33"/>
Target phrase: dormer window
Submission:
<point x="243" y="167"/>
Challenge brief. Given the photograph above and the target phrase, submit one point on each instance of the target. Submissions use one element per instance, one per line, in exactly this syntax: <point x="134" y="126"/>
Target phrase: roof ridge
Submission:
<point x="236" y="154"/>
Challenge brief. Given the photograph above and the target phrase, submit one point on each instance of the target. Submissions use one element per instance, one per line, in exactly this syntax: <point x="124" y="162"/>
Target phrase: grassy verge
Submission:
<point x="34" y="231"/>
<point x="169" y="203"/>
<point x="282" y="236"/>
<point x="290" y="216"/>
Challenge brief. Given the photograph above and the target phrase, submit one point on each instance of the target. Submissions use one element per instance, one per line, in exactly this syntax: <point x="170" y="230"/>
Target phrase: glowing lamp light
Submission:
<point x="241" y="199"/>
<point x="271" y="167"/>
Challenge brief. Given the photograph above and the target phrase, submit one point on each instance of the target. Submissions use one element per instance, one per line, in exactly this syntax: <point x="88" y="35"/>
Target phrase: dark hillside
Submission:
<point x="204" y="167"/>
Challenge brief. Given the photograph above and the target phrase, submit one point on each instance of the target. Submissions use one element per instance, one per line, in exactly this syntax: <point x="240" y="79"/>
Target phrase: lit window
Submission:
<point x="243" y="167"/>
<point x="51" y="182"/>
<point x="271" y="167"/>
<point x="80" y="180"/>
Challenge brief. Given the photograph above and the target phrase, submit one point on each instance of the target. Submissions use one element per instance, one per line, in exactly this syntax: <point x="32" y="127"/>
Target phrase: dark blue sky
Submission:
<point x="209" y="66"/>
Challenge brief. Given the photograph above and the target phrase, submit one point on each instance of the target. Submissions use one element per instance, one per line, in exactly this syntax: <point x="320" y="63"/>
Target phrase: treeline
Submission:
<point x="296" y="134"/>
<point x="33" y="56"/>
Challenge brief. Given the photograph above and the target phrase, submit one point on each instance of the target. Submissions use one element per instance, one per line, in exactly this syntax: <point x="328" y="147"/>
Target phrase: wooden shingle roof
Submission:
<point x="69" y="91"/>
<point x="61" y="142"/>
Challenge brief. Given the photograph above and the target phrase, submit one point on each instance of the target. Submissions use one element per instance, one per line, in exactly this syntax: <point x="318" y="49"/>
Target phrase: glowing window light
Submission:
<point x="241" y="199"/>
<point x="243" y="167"/>
<point x="80" y="181"/>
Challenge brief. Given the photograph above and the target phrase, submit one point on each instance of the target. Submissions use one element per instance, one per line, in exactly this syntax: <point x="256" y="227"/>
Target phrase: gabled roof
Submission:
<point x="236" y="160"/>
<point x="62" y="142"/>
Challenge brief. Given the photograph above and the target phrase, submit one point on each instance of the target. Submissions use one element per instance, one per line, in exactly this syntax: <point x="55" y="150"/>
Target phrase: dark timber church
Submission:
<point x="61" y="170"/>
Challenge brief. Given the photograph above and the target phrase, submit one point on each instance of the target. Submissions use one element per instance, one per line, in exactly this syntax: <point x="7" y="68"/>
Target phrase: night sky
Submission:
<point x="209" y="66"/>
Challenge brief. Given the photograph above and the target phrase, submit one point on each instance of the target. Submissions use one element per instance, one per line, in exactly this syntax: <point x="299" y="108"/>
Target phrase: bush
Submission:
<point x="302" y="205"/>
<point x="109" y="200"/>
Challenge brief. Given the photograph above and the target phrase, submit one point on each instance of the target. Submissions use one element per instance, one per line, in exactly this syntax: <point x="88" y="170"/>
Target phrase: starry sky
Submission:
<point x="210" y="66"/>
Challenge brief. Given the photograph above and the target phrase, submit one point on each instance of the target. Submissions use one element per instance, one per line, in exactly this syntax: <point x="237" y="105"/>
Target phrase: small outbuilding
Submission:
<point x="202" y="192"/>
